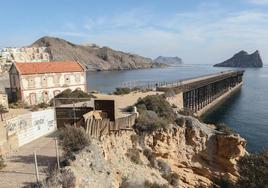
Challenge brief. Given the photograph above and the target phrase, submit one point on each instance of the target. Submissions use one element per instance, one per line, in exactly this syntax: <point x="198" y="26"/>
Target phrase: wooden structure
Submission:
<point x="100" y="127"/>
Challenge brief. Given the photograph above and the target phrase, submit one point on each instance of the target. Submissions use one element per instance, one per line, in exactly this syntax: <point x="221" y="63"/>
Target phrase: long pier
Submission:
<point x="201" y="94"/>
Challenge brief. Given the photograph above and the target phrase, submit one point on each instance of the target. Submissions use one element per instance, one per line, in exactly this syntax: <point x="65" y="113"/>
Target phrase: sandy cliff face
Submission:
<point x="194" y="151"/>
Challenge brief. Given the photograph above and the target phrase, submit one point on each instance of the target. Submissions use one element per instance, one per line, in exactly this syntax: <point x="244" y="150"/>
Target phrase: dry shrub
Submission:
<point x="73" y="139"/>
<point x="56" y="178"/>
<point x="72" y="96"/>
<point x="2" y="162"/>
<point x="122" y="91"/>
<point x="253" y="170"/>
<point x="159" y="105"/>
<point x="148" y="184"/>
<point x="180" y="121"/>
<point x="224" y="128"/>
<point x="134" y="155"/>
<point x="171" y="177"/>
<point x="149" y="122"/>
<point x="163" y="166"/>
<point x="150" y="156"/>
<point x="134" y="139"/>
<point x="125" y="183"/>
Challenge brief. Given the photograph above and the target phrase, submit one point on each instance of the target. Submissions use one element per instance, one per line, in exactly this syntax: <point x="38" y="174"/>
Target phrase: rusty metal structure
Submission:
<point x="200" y="92"/>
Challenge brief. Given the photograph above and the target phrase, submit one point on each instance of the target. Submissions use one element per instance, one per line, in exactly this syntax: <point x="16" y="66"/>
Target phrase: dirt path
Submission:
<point x="20" y="171"/>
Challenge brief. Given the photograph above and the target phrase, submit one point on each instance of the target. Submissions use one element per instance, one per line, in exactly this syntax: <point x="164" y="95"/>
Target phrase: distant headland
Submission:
<point x="172" y="61"/>
<point x="244" y="60"/>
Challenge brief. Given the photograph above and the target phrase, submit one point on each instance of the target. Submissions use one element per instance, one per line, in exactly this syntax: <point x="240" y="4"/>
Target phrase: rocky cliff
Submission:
<point x="243" y="59"/>
<point x="93" y="56"/>
<point x="191" y="155"/>
<point x="168" y="60"/>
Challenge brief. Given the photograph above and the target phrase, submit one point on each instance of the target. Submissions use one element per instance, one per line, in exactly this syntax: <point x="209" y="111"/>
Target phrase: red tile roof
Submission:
<point x="48" y="67"/>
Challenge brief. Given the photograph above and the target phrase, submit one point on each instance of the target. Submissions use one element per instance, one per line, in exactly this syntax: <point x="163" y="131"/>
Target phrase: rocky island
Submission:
<point x="173" y="61"/>
<point x="94" y="57"/>
<point x="244" y="60"/>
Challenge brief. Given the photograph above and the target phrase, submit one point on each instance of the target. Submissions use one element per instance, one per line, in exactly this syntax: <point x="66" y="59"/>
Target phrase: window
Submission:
<point x="45" y="96"/>
<point x="31" y="82"/>
<point x="44" y="81"/>
<point x="32" y="98"/>
<point x="67" y="79"/>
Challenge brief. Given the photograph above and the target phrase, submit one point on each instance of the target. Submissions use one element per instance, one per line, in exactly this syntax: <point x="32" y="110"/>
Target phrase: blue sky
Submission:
<point x="199" y="31"/>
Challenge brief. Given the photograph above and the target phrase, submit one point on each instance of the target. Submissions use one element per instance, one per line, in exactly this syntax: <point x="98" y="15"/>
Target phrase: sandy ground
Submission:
<point x="14" y="113"/>
<point x="20" y="170"/>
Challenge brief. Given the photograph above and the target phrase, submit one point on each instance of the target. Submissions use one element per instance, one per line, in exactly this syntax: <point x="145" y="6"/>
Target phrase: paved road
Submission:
<point x="20" y="171"/>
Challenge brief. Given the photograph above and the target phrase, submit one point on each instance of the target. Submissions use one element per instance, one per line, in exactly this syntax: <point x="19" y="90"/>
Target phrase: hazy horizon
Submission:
<point x="199" y="32"/>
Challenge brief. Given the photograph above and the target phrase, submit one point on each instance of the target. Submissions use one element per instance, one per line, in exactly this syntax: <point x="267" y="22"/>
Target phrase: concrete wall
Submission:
<point x="25" y="128"/>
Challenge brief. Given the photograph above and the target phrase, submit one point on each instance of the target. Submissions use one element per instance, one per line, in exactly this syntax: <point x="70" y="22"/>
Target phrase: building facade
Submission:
<point x="25" y="54"/>
<point x="35" y="83"/>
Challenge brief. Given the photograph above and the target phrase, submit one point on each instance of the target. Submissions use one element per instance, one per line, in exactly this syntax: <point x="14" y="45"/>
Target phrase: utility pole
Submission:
<point x="57" y="153"/>
<point x="74" y="114"/>
<point x="36" y="169"/>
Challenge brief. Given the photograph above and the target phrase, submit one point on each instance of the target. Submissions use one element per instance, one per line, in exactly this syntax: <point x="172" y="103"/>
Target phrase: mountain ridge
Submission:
<point x="93" y="57"/>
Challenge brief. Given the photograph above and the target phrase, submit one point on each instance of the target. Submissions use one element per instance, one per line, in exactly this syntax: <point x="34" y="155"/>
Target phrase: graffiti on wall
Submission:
<point x="35" y="121"/>
<point x="18" y="123"/>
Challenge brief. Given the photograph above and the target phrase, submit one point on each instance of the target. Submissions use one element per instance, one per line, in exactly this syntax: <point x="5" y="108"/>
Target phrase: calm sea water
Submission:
<point x="246" y="112"/>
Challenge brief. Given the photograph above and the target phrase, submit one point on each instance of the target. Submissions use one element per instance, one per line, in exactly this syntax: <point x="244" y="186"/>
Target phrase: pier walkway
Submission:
<point x="199" y="95"/>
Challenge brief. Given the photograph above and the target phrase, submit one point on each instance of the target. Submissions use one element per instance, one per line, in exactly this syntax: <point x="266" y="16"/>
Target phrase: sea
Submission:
<point x="246" y="112"/>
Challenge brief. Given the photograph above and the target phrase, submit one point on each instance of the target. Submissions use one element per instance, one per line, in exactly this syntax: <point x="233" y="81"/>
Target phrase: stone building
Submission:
<point x="35" y="83"/>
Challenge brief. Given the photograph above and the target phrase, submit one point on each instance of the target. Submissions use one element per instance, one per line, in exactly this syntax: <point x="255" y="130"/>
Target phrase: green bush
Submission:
<point x="73" y="139"/>
<point x="122" y="91"/>
<point x="253" y="170"/>
<point x="149" y="122"/>
<point x="134" y="155"/>
<point x="159" y="105"/>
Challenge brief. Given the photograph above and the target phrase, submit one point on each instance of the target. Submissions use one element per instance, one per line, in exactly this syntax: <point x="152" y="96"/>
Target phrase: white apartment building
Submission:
<point x="36" y="82"/>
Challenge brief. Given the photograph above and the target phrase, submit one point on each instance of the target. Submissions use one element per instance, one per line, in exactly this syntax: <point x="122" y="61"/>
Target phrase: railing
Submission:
<point x="165" y="85"/>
